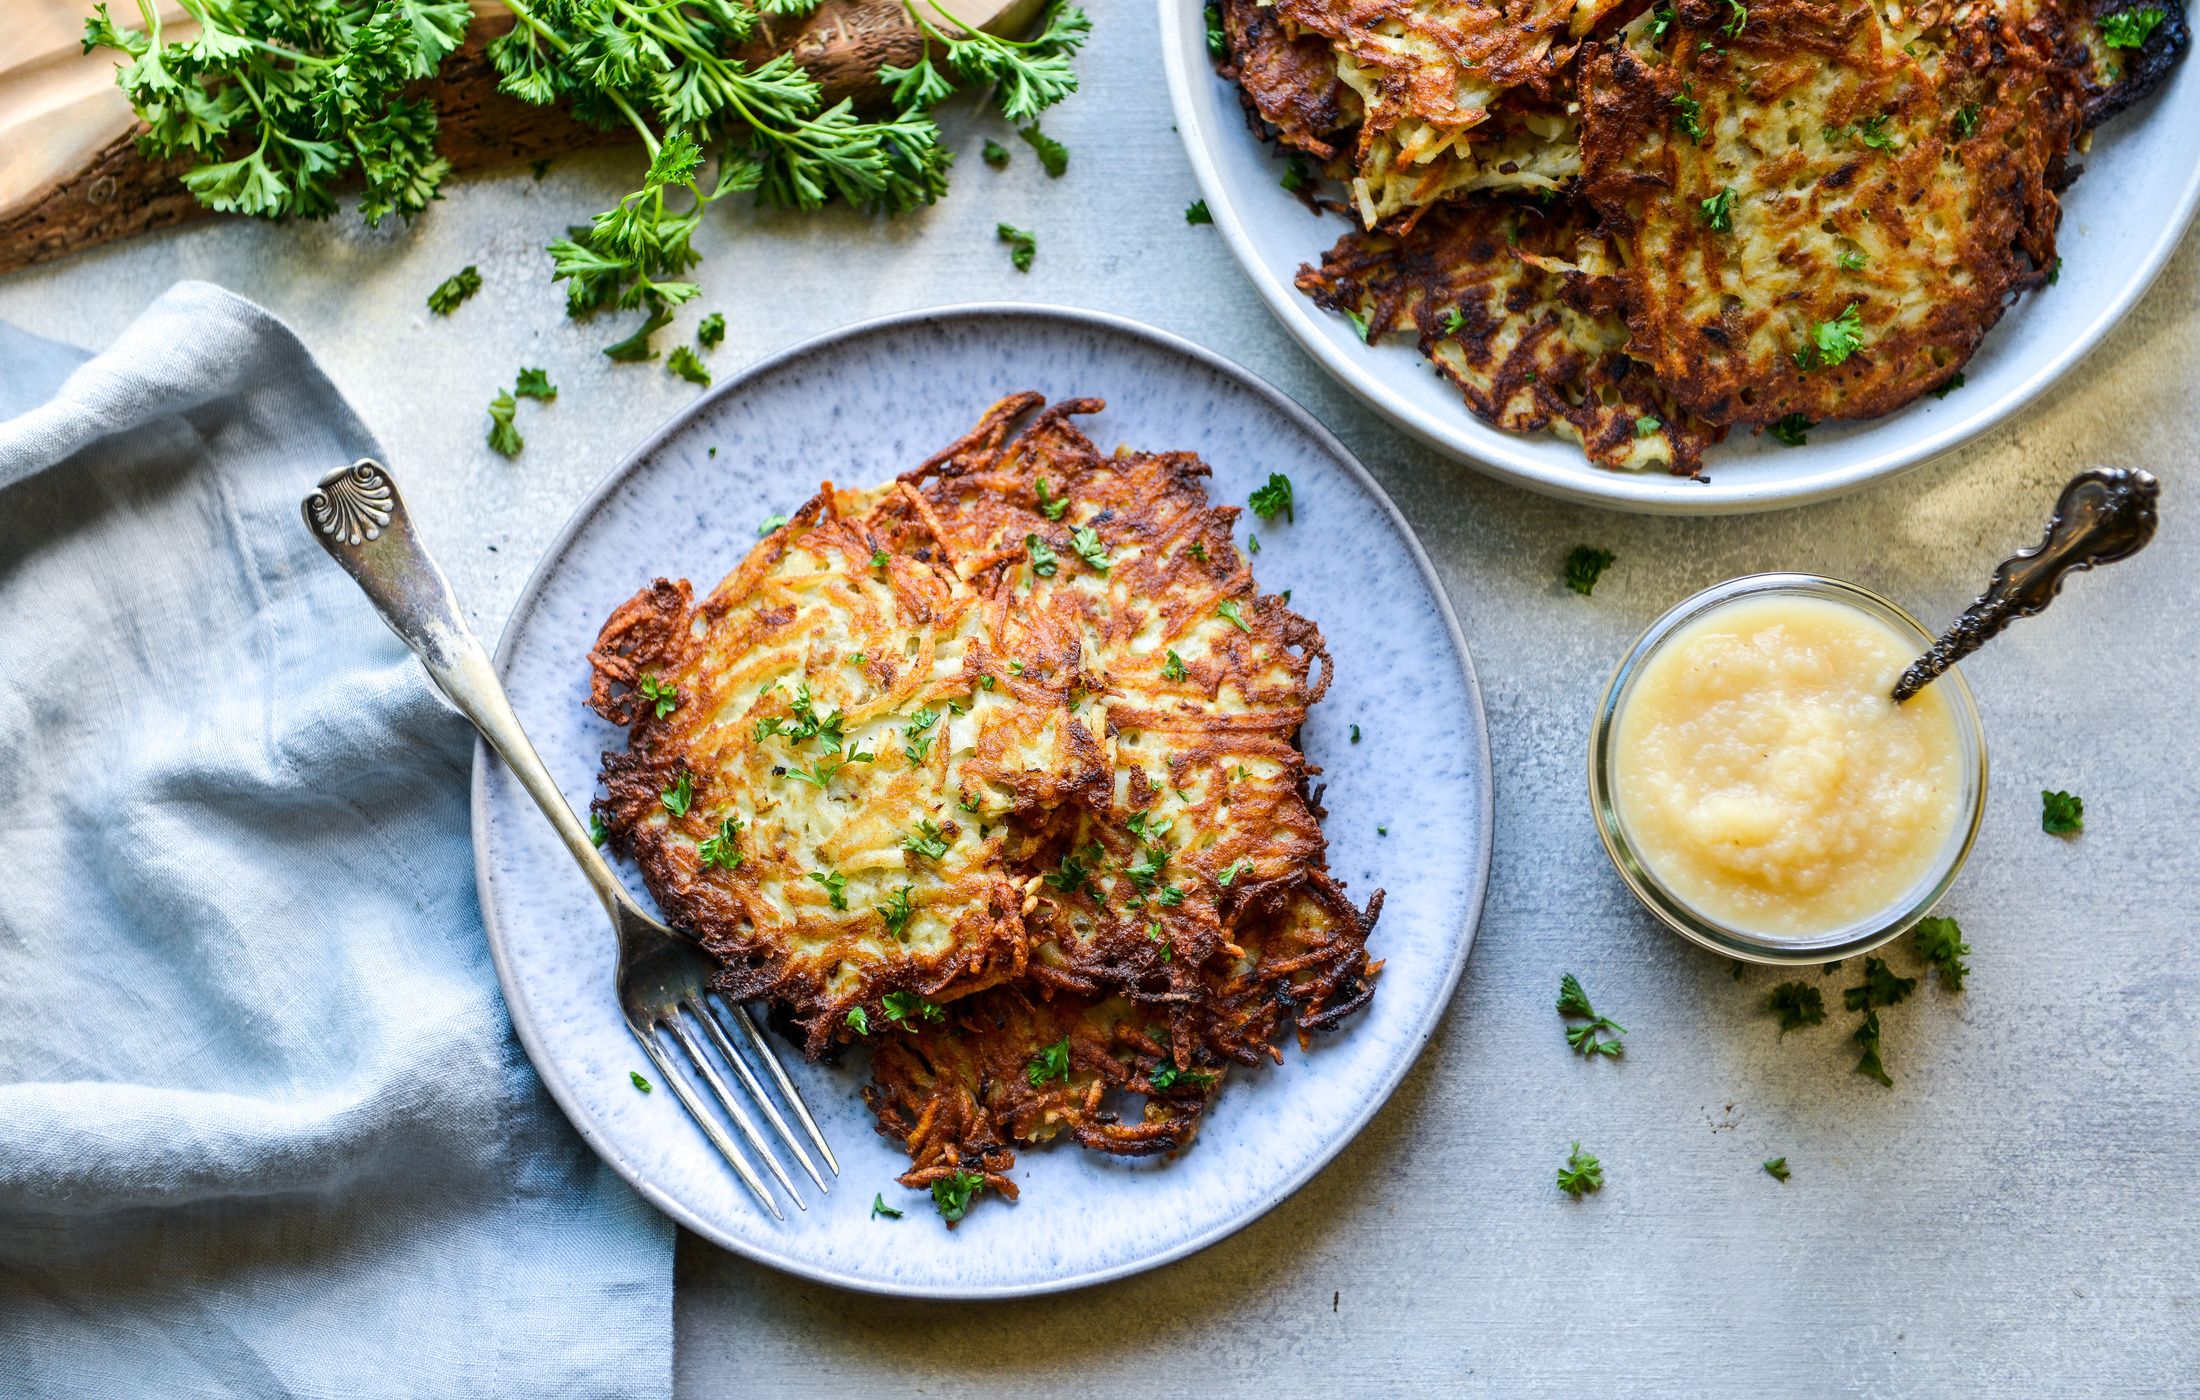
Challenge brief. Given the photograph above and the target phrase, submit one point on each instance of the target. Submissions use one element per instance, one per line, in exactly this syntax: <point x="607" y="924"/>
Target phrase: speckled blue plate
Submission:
<point x="857" y="406"/>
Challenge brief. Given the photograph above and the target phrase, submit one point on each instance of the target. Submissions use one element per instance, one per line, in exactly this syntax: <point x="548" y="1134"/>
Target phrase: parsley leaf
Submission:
<point x="1581" y="1174"/>
<point x="1777" y="1168"/>
<point x="1648" y="424"/>
<point x="995" y="154"/>
<point x="1796" y="1004"/>
<point x="504" y="437"/>
<point x="598" y="833"/>
<point x="1272" y="496"/>
<point x="1964" y="124"/>
<point x="880" y="1208"/>
<point x="1688" y="113"/>
<point x="1049" y="506"/>
<point x="711" y="330"/>
<point x="1791" y="430"/>
<point x="1085" y="541"/>
<point x="918" y="733"/>
<point x="1196" y="213"/>
<point x="1572" y="1001"/>
<point x="2061" y="813"/>
<point x="635" y="1076"/>
<point x="1832" y="342"/>
<point x="636" y="347"/>
<point x="686" y="364"/>
<point x="1167" y="1076"/>
<point x="664" y="697"/>
<point x="1954" y="383"/>
<point x="535" y="384"/>
<point x="453" y="291"/>
<point x="1295" y="174"/>
<point x="1867" y="1037"/>
<point x="1230" y="873"/>
<point x="1717" y="212"/>
<point x="1173" y="668"/>
<point x="1585" y="566"/>
<point x="898" y="910"/>
<point x="679" y="796"/>
<point x="1940" y="942"/>
<point x="1053" y="155"/>
<point x="1070" y="876"/>
<point x="1872" y="132"/>
<point x="1044" y="562"/>
<point x="2129" y="29"/>
<point x="1880" y="987"/>
<point x="1228" y="609"/>
<point x="951" y="1194"/>
<point x="721" y="850"/>
<point x="927" y="841"/>
<point x="770" y="523"/>
<point x="1218" y="43"/>
<point x="1023" y="245"/>
<point x="859" y="1020"/>
<point x="903" y="1007"/>
<point x="1851" y="260"/>
<point x="1052" y="1062"/>
<point x="836" y="887"/>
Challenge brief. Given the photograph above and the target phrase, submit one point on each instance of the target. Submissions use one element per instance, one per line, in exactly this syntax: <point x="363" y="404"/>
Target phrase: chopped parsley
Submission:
<point x="1218" y="43"/>
<point x="1147" y="868"/>
<point x="771" y="523"/>
<point x="636" y="347"/>
<point x="679" y="796"/>
<point x="639" y="1082"/>
<point x="1572" y="1001"/>
<point x="1196" y="212"/>
<point x="1688" y="113"/>
<point x="903" y="1007"/>
<point x="710" y="332"/>
<point x="1661" y="21"/>
<point x="1252" y="543"/>
<point x="1052" y="1062"/>
<point x="1454" y="321"/>
<point x="1796" y="1004"/>
<point x="598" y="833"/>
<point x="919" y="735"/>
<point x="721" y="850"/>
<point x="1044" y="562"/>
<point x="1954" y="383"/>
<point x="1169" y="897"/>
<point x="1832" y="342"/>
<point x="1880" y="988"/>
<point x="1148" y="827"/>
<point x="1872" y="132"/>
<point x="1867" y="1037"/>
<point x="2127" y="29"/>
<point x="453" y="291"/>
<point x="1167" y="1076"/>
<point x="535" y="384"/>
<point x="1295" y="174"/>
<point x="1791" y="430"/>
<point x="686" y="364"/>
<point x="1964" y="124"/>
<point x="1648" y="424"/>
<point x="1737" y="19"/>
<point x="1085" y="542"/>
<point x="1173" y="668"/>
<point x="859" y="1020"/>
<point x="1053" y="155"/>
<point x="1777" y="1168"/>
<point x="951" y="1194"/>
<point x="1581" y="1174"/>
<point x="1359" y="323"/>
<point x="1940" y="942"/>
<point x="1070" y="876"/>
<point x="1230" y="873"/>
<point x="1273" y="496"/>
<point x="655" y="692"/>
<point x="878" y="1199"/>
<point x="927" y="841"/>
<point x="996" y="154"/>
<point x="1585" y="566"/>
<point x="1852" y="260"/>
<point x="1023" y="245"/>
<point x="836" y="886"/>
<point x="1227" y="609"/>
<point x="1355" y="733"/>
<point x="1717" y="212"/>
<point x="2061" y="813"/>
<point x="1051" y="506"/>
<point x="503" y="436"/>
<point x="897" y="911"/>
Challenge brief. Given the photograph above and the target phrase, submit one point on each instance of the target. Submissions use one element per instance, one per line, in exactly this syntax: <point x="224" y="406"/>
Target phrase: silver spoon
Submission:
<point x="2103" y="515"/>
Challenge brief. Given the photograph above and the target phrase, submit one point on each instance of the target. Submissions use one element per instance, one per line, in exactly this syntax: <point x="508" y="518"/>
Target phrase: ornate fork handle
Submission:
<point x="2102" y="516"/>
<point x="361" y="520"/>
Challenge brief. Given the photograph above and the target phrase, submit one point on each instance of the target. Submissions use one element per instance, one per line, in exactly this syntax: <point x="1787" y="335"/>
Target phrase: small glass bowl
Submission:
<point x="1693" y="924"/>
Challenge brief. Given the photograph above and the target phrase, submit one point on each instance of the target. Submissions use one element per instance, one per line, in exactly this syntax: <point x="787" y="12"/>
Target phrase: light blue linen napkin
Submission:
<point x="264" y="1128"/>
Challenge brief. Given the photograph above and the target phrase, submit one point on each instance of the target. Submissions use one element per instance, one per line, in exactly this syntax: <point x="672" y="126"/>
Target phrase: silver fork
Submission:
<point x="663" y="987"/>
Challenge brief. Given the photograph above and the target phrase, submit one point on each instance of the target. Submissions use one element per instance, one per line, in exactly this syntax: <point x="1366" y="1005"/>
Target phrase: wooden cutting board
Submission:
<point x="71" y="176"/>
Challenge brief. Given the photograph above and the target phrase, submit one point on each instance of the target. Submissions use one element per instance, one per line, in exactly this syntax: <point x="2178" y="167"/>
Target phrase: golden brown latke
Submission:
<point x="1813" y="208"/>
<point x="1000" y="753"/>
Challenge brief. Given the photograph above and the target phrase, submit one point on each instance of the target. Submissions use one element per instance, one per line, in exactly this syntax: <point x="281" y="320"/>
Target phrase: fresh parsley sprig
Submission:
<point x="1573" y="1001"/>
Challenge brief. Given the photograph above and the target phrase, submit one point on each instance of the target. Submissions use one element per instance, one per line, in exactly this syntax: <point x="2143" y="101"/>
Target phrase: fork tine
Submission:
<point x="700" y="1008"/>
<point x="729" y="1101"/>
<point x="786" y="1086"/>
<point x="708" y="1124"/>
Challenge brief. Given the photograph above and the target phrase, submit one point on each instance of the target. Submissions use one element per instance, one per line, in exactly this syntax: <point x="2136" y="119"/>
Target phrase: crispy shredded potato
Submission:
<point x="998" y="757"/>
<point x="1791" y="209"/>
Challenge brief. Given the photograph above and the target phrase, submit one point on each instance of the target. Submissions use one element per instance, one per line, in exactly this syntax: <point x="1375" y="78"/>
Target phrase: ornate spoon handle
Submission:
<point x="2103" y="515"/>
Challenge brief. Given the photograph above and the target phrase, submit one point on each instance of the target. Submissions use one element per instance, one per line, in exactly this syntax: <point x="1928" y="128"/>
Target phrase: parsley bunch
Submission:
<point x="280" y="101"/>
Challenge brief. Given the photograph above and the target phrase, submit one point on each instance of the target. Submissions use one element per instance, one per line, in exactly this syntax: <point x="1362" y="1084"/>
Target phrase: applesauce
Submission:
<point x="1763" y="778"/>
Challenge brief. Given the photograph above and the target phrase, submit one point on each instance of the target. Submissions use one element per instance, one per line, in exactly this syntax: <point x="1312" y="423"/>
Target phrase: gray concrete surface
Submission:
<point x="2013" y="1217"/>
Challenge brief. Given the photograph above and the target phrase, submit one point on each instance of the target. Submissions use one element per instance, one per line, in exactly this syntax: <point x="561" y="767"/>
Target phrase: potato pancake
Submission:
<point x="1750" y="214"/>
<point x="994" y="768"/>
